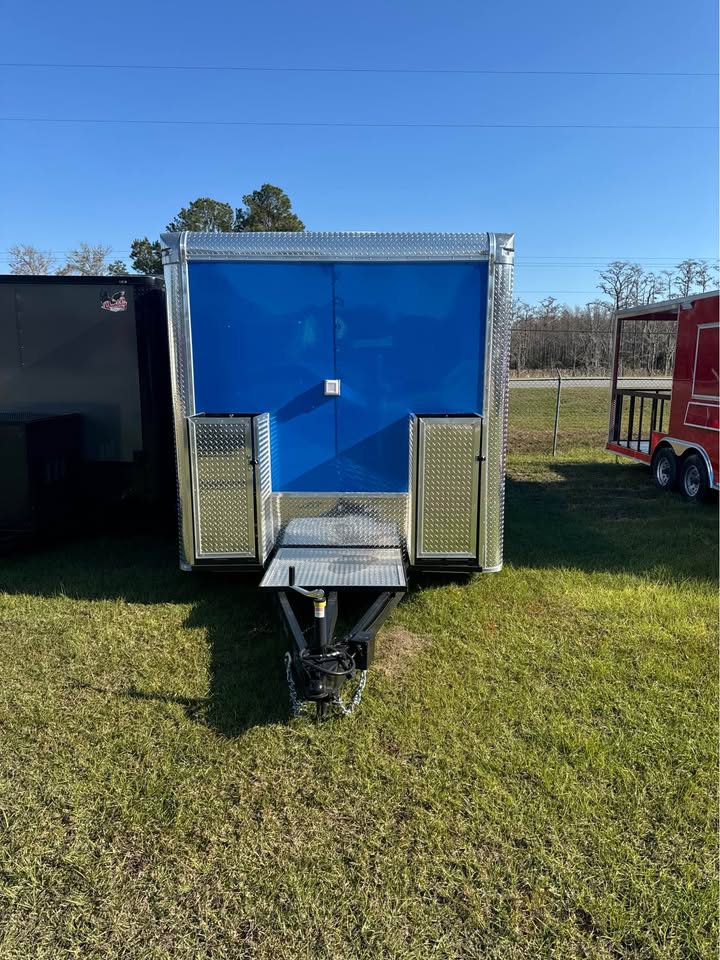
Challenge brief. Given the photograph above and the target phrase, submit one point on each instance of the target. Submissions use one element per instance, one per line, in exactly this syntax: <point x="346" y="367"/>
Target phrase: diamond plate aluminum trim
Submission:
<point x="497" y="415"/>
<point x="412" y="491"/>
<point x="266" y="512"/>
<point x="334" y="246"/>
<point x="179" y="364"/>
<point x="369" y="513"/>
<point x="223" y="487"/>
<point x="380" y="569"/>
<point x="448" y="487"/>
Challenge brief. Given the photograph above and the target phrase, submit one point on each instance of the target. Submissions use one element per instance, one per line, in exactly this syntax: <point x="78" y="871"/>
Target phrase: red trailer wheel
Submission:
<point x="664" y="468"/>
<point x="694" y="479"/>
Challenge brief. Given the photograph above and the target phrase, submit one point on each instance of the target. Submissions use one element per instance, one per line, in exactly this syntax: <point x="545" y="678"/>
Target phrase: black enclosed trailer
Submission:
<point x="94" y="348"/>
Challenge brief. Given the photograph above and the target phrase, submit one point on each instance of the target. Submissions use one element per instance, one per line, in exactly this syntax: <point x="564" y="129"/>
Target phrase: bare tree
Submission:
<point x="577" y="339"/>
<point x="30" y="261"/>
<point x="649" y="287"/>
<point x="87" y="261"/>
<point x="668" y="283"/>
<point x="547" y="308"/>
<point x="685" y="276"/>
<point x="597" y="319"/>
<point x="522" y="312"/>
<point x="520" y="346"/>
<point x="703" y="276"/>
<point x="619" y="281"/>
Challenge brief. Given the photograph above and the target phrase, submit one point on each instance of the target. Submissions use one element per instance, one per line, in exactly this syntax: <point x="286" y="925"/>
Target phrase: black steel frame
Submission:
<point x="358" y="644"/>
<point x="634" y="435"/>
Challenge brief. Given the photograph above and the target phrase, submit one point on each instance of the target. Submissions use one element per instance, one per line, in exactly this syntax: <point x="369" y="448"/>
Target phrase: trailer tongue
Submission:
<point x="340" y="411"/>
<point x="319" y="665"/>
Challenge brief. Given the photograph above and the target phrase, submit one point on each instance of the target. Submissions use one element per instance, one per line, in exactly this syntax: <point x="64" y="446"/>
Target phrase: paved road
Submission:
<point x="600" y="382"/>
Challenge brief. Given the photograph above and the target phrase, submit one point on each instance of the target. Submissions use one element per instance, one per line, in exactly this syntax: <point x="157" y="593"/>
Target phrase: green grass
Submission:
<point x="583" y="421"/>
<point x="537" y="781"/>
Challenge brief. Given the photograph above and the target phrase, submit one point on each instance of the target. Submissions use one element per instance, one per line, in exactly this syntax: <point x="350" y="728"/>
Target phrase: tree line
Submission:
<point x="268" y="208"/>
<point x="577" y="340"/>
<point x="546" y="336"/>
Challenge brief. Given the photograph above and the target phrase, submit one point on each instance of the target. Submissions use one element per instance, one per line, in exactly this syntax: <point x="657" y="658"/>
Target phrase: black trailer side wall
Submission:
<point x="95" y="346"/>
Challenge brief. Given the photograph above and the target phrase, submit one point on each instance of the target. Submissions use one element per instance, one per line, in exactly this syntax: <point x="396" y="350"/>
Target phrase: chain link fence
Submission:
<point x="563" y="413"/>
<point x="560" y="382"/>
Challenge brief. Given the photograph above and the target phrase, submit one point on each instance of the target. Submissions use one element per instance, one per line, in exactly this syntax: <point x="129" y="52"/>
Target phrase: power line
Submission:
<point x="605" y="258"/>
<point x="601" y="265"/>
<point x="365" y="124"/>
<point x="230" y="68"/>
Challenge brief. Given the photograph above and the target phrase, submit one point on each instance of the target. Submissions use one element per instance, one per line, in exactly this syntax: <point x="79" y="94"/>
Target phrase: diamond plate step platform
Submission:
<point x="337" y="568"/>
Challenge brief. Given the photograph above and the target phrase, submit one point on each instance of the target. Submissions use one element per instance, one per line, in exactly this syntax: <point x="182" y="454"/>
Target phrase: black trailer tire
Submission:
<point x="664" y="468"/>
<point x="694" y="480"/>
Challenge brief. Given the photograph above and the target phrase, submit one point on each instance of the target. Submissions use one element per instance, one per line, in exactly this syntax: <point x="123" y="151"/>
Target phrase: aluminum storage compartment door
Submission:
<point x="448" y="483"/>
<point x="221" y="466"/>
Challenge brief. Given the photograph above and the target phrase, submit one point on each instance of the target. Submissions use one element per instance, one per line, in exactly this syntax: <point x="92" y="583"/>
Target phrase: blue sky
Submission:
<point x="574" y="197"/>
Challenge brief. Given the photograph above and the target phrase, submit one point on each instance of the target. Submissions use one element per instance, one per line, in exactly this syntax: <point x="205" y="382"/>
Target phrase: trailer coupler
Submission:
<point x="318" y="668"/>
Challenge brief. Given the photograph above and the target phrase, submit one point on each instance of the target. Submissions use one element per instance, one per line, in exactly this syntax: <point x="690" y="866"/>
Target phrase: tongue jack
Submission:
<point x="319" y="604"/>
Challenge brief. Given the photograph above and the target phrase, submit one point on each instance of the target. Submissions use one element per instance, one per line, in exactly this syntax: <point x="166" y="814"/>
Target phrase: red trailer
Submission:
<point x="674" y="428"/>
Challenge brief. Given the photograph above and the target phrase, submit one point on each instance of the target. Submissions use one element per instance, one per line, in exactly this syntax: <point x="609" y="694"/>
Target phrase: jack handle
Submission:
<point x="312" y="594"/>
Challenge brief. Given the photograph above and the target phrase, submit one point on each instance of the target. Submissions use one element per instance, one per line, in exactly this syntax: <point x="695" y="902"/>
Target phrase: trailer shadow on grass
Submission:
<point x="606" y="517"/>
<point x="597" y="517"/>
<point x="246" y="684"/>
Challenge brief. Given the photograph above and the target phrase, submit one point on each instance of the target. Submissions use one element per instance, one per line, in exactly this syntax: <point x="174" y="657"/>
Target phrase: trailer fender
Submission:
<point x="681" y="448"/>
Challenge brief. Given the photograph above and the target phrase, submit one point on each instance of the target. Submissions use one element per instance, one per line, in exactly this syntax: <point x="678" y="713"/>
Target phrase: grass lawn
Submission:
<point x="583" y="421"/>
<point x="535" y="775"/>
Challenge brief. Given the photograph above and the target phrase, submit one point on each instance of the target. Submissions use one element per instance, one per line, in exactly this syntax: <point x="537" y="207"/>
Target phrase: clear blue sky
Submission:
<point x="574" y="197"/>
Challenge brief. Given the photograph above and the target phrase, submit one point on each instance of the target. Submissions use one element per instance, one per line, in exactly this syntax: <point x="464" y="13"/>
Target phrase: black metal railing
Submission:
<point x="639" y="414"/>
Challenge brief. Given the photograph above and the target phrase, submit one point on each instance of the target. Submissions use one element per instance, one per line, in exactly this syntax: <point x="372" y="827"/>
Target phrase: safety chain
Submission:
<point x="347" y="708"/>
<point x="295" y="702"/>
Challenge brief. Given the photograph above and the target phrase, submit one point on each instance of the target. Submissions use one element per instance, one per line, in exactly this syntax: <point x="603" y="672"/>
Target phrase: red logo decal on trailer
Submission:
<point x="115" y="303"/>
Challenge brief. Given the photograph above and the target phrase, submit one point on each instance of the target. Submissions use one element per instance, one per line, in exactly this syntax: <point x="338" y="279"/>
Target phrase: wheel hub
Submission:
<point x="663" y="471"/>
<point x="692" y="481"/>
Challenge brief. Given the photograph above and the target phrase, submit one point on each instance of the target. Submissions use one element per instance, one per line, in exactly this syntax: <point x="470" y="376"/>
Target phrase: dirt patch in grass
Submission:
<point x="398" y="648"/>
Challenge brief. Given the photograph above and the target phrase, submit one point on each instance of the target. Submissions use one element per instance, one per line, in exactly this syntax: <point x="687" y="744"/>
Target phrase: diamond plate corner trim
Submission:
<point x="180" y="382"/>
<point x="448" y="487"/>
<point x="223" y="495"/>
<point x="412" y="486"/>
<point x="496" y="415"/>
<point x="170" y="248"/>
<point x="337" y="246"/>
<point x="265" y="511"/>
<point x="504" y="247"/>
<point x="368" y="514"/>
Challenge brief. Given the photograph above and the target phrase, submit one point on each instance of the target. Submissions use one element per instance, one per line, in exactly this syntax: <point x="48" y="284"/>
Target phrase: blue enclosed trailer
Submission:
<point x="340" y="407"/>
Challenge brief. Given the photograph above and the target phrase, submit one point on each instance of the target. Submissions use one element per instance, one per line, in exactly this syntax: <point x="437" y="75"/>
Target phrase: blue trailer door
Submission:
<point x="262" y="341"/>
<point x="410" y="338"/>
<point x="402" y="338"/>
